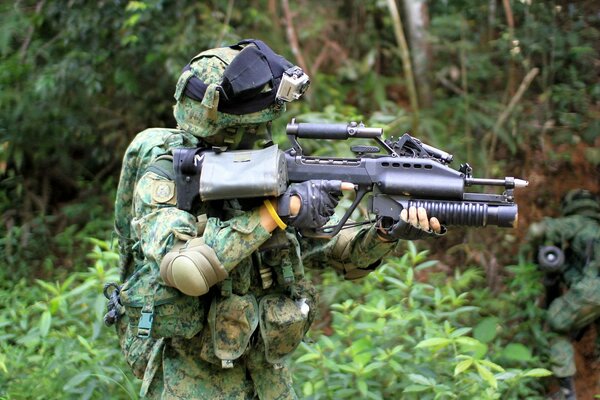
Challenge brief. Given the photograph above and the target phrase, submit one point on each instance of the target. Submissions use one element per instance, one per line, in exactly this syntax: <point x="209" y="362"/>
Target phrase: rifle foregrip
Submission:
<point x="469" y="213"/>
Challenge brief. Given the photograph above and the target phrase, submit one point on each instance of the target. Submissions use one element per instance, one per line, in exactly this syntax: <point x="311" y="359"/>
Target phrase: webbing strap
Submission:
<point x="183" y="81"/>
<point x="163" y="166"/>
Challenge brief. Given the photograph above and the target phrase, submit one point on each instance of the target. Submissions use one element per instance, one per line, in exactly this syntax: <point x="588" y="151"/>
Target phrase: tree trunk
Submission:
<point x="417" y="16"/>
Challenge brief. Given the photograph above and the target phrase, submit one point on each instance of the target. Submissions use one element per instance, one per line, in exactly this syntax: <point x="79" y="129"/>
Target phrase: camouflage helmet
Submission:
<point x="581" y="202"/>
<point x="224" y="89"/>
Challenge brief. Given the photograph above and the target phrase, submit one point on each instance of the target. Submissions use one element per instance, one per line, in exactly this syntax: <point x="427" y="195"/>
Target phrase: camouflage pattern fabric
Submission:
<point x="184" y="363"/>
<point x="562" y="357"/>
<point x="579" y="238"/>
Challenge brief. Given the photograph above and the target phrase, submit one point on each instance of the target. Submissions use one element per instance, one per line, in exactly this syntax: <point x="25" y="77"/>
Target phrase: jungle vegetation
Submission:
<point x="510" y="86"/>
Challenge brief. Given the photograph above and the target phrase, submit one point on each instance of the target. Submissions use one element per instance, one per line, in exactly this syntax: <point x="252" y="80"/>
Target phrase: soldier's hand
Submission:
<point x="413" y="224"/>
<point x="417" y="217"/>
<point x="318" y="199"/>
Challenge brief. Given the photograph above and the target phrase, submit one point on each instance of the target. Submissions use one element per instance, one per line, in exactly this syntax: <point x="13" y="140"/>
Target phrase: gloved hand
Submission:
<point x="318" y="201"/>
<point x="413" y="225"/>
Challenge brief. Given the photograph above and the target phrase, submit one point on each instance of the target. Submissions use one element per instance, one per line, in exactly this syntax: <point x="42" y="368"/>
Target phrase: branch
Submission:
<point x="30" y="31"/>
<point x="293" y="38"/>
<point x="225" y="22"/>
<point x="405" y="55"/>
<point x="510" y="108"/>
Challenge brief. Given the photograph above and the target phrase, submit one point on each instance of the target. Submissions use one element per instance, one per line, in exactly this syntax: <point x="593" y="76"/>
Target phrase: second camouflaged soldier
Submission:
<point x="569" y="253"/>
<point x="214" y="298"/>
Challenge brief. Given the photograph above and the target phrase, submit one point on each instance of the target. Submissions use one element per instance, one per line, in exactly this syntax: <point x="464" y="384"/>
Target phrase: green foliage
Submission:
<point x="410" y="332"/>
<point x="53" y="342"/>
<point x="79" y="79"/>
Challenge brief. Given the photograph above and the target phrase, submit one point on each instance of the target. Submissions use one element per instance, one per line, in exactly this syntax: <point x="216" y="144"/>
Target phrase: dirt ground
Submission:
<point x="587" y="379"/>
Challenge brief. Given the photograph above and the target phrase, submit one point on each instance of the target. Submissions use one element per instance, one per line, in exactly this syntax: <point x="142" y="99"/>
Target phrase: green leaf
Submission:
<point x="485" y="331"/>
<point x="362" y="387"/>
<point x="433" y="342"/>
<point x="3" y="363"/>
<point x="45" y="322"/>
<point x="85" y="343"/>
<point x="308" y="357"/>
<point x="460" y="332"/>
<point x="463" y="366"/>
<point x="487" y="375"/>
<point x="419" y="379"/>
<point x="538" y="373"/>
<point x="517" y="352"/>
<point x="48" y="286"/>
<point x="491" y="365"/>
<point x="415" y="388"/>
<point x="76" y="381"/>
<point x="467" y="341"/>
<point x="307" y="389"/>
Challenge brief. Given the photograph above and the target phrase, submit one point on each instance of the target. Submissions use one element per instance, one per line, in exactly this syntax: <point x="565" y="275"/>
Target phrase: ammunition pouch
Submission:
<point x="232" y="320"/>
<point x="283" y="323"/>
<point x="157" y="311"/>
<point x="138" y="351"/>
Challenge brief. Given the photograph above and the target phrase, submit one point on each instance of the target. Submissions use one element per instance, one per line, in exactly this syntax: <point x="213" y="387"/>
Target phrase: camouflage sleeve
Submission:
<point x="353" y="252"/>
<point x="158" y="225"/>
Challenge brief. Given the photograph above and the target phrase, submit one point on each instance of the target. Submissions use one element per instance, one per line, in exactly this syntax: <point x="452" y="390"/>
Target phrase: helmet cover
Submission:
<point x="229" y="87"/>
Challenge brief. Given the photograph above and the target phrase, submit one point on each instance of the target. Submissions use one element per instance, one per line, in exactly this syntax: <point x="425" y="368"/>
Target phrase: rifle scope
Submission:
<point x="331" y="131"/>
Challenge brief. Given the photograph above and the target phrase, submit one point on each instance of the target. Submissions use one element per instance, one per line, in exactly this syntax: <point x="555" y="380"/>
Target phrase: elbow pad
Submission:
<point x="193" y="269"/>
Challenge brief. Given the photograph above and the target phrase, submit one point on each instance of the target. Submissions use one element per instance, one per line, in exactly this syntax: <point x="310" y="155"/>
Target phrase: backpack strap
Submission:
<point x="163" y="166"/>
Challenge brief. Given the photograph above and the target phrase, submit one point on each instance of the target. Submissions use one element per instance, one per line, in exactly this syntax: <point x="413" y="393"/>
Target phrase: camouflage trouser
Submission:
<point x="577" y="308"/>
<point x="182" y="377"/>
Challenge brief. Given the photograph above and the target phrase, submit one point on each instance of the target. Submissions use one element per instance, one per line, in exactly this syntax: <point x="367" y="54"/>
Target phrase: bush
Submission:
<point x="396" y="336"/>
<point x="53" y="342"/>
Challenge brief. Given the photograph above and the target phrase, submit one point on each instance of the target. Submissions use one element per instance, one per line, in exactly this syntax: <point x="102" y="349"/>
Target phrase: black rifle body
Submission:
<point x="401" y="182"/>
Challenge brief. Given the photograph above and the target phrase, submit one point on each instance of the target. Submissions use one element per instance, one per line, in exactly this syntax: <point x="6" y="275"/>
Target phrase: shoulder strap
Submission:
<point x="163" y="166"/>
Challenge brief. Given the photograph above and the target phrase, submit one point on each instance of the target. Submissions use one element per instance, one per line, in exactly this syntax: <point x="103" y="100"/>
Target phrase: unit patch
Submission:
<point x="163" y="192"/>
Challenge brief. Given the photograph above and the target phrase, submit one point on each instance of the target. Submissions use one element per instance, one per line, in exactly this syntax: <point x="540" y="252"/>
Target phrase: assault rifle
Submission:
<point x="412" y="173"/>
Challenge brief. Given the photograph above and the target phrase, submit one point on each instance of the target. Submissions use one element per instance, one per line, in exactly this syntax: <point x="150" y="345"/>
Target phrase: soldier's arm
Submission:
<point x="189" y="259"/>
<point x="354" y="252"/>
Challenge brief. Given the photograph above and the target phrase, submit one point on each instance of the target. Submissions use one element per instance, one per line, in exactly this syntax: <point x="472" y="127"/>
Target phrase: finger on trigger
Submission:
<point x="422" y="216"/>
<point x="404" y="215"/>
<point x="412" y="216"/>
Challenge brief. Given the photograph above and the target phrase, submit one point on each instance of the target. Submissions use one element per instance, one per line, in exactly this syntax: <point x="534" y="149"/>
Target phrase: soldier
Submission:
<point x="569" y="253"/>
<point x="214" y="300"/>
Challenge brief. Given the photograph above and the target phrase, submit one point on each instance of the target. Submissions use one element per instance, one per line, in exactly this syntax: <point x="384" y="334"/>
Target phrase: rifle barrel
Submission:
<point x="332" y="131"/>
<point x="509" y="182"/>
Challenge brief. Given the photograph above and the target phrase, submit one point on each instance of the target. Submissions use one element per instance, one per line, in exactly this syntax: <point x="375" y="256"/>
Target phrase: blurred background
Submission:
<point x="510" y="86"/>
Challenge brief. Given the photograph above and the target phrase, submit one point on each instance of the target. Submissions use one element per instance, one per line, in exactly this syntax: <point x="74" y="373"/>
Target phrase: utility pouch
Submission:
<point x="243" y="174"/>
<point x="232" y="320"/>
<point x="155" y="310"/>
<point x="137" y="350"/>
<point x="283" y="323"/>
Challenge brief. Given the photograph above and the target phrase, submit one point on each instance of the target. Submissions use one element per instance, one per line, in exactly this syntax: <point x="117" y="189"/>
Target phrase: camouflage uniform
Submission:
<point x="579" y="238"/>
<point x="189" y="367"/>
<point x="234" y="342"/>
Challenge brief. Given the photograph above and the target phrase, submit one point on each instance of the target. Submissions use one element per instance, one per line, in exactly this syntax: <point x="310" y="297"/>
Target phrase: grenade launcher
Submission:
<point x="410" y="174"/>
